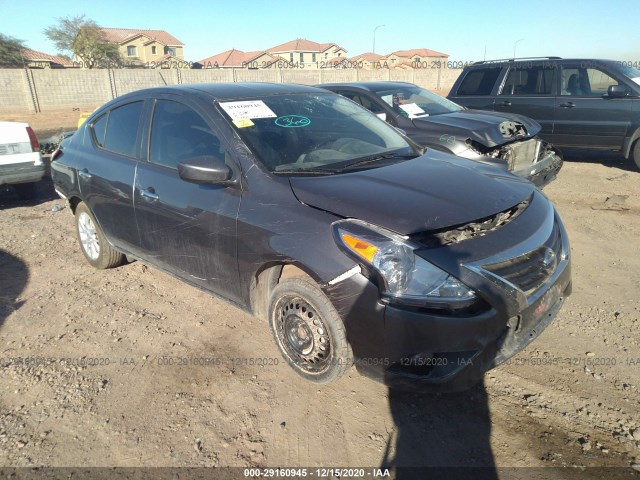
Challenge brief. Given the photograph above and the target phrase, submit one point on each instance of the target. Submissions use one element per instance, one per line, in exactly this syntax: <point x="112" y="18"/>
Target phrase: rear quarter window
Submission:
<point x="479" y="81"/>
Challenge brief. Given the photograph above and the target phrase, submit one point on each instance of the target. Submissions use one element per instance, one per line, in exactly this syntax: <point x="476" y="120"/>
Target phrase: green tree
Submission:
<point x="83" y="38"/>
<point x="10" y="51"/>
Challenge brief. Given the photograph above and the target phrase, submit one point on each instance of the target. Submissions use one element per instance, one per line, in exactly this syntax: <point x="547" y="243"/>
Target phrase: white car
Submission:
<point x="21" y="164"/>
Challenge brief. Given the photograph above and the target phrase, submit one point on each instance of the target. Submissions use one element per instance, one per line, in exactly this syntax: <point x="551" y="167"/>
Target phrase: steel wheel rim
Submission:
<point x="88" y="236"/>
<point x="302" y="334"/>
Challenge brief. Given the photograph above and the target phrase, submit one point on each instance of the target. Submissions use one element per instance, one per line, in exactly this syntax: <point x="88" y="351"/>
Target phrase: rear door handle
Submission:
<point x="149" y="194"/>
<point x="84" y="173"/>
<point x="506" y="103"/>
<point x="567" y="105"/>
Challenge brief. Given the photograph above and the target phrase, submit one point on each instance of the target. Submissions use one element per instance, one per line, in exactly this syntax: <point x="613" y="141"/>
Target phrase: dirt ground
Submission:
<point x="130" y="367"/>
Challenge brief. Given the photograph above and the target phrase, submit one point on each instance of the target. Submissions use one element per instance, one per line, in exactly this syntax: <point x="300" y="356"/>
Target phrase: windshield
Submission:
<point x="315" y="133"/>
<point x="630" y="72"/>
<point x="413" y="102"/>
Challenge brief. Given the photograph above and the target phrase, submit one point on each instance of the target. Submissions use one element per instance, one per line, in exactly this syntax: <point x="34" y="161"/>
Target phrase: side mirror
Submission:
<point x="204" y="169"/>
<point x="617" y="91"/>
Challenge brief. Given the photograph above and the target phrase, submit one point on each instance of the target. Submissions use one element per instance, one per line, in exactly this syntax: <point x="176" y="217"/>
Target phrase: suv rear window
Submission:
<point x="479" y="81"/>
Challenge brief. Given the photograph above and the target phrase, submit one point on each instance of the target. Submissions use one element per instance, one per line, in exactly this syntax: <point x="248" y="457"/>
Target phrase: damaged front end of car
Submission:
<point x="525" y="156"/>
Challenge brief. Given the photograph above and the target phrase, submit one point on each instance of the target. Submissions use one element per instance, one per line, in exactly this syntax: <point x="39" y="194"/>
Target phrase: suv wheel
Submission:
<point x="636" y="153"/>
<point x="308" y="331"/>
<point x="94" y="245"/>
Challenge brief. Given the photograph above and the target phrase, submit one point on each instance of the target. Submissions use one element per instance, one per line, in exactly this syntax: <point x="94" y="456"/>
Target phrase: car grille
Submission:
<point x="530" y="271"/>
<point x="522" y="154"/>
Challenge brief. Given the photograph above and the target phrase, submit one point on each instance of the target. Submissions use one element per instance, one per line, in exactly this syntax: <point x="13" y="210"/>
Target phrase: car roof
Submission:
<point x="233" y="90"/>
<point x="369" y="86"/>
<point x="536" y="60"/>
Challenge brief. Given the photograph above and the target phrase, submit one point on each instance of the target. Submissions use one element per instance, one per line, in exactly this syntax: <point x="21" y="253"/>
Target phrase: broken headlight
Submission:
<point x="406" y="277"/>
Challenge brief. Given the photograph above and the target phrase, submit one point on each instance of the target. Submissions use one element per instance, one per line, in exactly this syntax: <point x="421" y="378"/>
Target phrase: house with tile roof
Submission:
<point x="35" y="59"/>
<point x="147" y="47"/>
<point x="308" y="54"/>
<point x="367" y="60"/>
<point x="415" y="58"/>
<point x="233" y="58"/>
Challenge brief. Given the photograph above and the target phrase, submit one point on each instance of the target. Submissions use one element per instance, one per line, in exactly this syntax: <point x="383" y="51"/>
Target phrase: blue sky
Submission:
<point x="587" y="28"/>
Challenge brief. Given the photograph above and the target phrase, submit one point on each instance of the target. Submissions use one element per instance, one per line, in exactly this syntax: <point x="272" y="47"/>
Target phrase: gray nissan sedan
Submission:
<point x="307" y="210"/>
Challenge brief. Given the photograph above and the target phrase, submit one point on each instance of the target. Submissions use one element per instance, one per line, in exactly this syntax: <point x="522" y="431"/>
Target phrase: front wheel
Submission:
<point x="94" y="245"/>
<point x="308" y="331"/>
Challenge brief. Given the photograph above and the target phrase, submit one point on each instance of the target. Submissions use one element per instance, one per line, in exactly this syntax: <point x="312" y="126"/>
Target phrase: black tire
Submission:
<point x="93" y="244"/>
<point x="26" y="191"/>
<point x="636" y="153"/>
<point x="308" y="331"/>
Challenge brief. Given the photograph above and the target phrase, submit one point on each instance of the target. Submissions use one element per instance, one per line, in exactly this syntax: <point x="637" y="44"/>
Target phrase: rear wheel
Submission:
<point x="636" y="153"/>
<point x="94" y="245"/>
<point x="308" y="331"/>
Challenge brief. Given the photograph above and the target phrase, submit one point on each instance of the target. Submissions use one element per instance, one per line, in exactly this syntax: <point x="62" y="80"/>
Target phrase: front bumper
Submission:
<point x="544" y="171"/>
<point x="21" y="173"/>
<point x="420" y="350"/>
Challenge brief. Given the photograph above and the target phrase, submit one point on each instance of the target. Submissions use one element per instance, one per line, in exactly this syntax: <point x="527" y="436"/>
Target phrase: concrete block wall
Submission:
<point x="23" y="91"/>
<point x="207" y="75"/>
<point x="15" y="96"/>
<point x="58" y="89"/>
<point x="129" y="80"/>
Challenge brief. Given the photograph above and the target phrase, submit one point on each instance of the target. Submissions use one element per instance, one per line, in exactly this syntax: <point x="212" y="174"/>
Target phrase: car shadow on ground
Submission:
<point x="608" y="159"/>
<point x="441" y="436"/>
<point x="14" y="275"/>
<point x="44" y="193"/>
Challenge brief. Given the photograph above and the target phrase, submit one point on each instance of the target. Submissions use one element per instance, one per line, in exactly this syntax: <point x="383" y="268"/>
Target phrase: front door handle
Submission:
<point x="506" y="103"/>
<point x="84" y="173"/>
<point x="567" y="105"/>
<point x="149" y="194"/>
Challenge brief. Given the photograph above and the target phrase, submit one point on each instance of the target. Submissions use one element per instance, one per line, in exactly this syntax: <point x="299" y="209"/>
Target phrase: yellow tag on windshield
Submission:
<point x="243" y="123"/>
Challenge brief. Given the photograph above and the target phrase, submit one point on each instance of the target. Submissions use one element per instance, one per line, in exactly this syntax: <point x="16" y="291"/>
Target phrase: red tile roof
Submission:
<point x="35" y="56"/>
<point x="421" y="52"/>
<point x="303" y="45"/>
<point x="233" y="58"/>
<point x="121" y="35"/>
<point x="369" y="57"/>
<point x="335" y="61"/>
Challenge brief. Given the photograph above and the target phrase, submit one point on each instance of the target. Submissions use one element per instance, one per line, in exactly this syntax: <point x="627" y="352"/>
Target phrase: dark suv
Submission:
<point x="582" y="103"/>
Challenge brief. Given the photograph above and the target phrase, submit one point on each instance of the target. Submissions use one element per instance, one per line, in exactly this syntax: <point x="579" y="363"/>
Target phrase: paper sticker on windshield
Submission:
<point x="292" y="121"/>
<point x="412" y="109"/>
<point x="243" y="123"/>
<point x="248" y="109"/>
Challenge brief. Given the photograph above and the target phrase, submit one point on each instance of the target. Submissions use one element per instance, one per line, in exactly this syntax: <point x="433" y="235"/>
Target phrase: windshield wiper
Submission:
<point x="302" y="171"/>
<point x="377" y="158"/>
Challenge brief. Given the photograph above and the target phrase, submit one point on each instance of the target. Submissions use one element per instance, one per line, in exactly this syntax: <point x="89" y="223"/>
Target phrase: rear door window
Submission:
<point x="479" y="81"/>
<point x="534" y="80"/>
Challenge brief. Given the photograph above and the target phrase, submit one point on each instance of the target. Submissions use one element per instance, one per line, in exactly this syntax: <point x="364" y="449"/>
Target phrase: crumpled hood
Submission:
<point x="483" y="127"/>
<point x="431" y="192"/>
